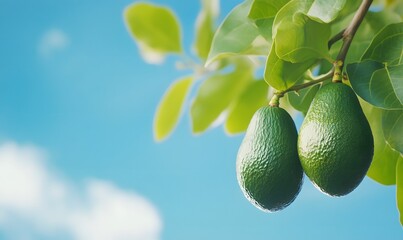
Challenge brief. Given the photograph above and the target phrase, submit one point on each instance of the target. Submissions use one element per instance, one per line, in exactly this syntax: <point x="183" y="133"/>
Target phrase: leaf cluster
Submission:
<point x="287" y="44"/>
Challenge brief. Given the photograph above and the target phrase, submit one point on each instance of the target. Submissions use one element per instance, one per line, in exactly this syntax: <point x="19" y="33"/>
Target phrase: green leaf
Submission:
<point x="377" y="84"/>
<point x="301" y="39"/>
<point x="377" y="21"/>
<point x="237" y="35"/>
<point x="326" y="11"/>
<point x="399" y="188"/>
<point x="242" y="109"/>
<point x="349" y="7"/>
<point x="392" y="126"/>
<point x="396" y="79"/>
<point x="281" y="74"/>
<point x="383" y="166"/>
<point x="261" y="9"/>
<point x="155" y="30"/>
<point x="264" y="27"/>
<point x="170" y="108"/>
<point x="302" y="100"/>
<point x="397" y="8"/>
<point x="387" y="45"/>
<point x="216" y="93"/>
<point x="289" y="10"/>
<point x="371" y="25"/>
<point x="205" y="27"/>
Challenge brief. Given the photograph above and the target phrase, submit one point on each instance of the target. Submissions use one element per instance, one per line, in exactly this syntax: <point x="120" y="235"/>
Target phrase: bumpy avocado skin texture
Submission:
<point x="335" y="142"/>
<point x="268" y="169"/>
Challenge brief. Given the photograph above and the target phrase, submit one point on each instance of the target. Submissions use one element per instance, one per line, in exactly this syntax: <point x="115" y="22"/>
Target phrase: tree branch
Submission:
<point x="350" y="31"/>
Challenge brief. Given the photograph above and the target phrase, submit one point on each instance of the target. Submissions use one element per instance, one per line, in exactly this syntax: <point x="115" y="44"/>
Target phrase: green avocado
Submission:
<point x="268" y="169"/>
<point x="335" y="143"/>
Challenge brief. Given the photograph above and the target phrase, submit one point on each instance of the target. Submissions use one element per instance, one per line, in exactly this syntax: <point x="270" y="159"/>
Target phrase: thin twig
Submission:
<point x="320" y="79"/>
<point x="336" y="38"/>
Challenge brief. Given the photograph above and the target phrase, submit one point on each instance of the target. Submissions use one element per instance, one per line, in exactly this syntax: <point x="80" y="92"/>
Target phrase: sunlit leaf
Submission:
<point x="237" y="35"/>
<point x="216" y="93"/>
<point x="325" y="10"/>
<point x="289" y="10"/>
<point x="300" y="39"/>
<point x="155" y="30"/>
<point x="377" y="84"/>
<point x="264" y="27"/>
<point x="261" y="9"/>
<point x="302" y="100"/>
<point x="349" y="8"/>
<point x="399" y="188"/>
<point x="397" y="7"/>
<point x="387" y="45"/>
<point x="170" y="108"/>
<point x="205" y="27"/>
<point x="242" y="109"/>
<point x="281" y="74"/>
<point x="392" y="125"/>
<point x="383" y="166"/>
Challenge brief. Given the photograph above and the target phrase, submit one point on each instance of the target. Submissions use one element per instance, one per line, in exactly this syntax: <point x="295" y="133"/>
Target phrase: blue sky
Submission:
<point x="77" y="155"/>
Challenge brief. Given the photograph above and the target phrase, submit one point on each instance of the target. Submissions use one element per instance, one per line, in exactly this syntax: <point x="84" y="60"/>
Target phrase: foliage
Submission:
<point x="292" y="42"/>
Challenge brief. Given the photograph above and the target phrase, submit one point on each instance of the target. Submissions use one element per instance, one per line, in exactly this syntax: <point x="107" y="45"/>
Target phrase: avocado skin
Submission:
<point x="335" y="143"/>
<point x="268" y="169"/>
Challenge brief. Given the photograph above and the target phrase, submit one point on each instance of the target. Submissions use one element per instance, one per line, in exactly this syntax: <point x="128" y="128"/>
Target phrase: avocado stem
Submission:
<point x="275" y="100"/>
<point x="338" y="75"/>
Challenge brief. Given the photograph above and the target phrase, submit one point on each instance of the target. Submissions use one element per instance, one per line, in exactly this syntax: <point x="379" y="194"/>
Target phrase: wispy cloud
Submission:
<point x="36" y="201"/>
<point x="53" y="40"/>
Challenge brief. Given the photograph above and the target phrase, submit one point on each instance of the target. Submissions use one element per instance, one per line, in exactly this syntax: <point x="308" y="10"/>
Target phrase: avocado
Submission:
<point x="335" y="143"/>
<point x="268" y="169"/>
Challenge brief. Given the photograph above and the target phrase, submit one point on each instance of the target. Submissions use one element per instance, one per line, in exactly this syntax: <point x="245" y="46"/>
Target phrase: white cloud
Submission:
<point x="120" y="215"/>
<point x="52" y="41"/>
<point x="33" y="200"/>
